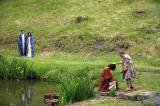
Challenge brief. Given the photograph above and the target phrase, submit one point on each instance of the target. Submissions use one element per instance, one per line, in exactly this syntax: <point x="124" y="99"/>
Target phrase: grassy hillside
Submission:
<point x="75" y="35"/>
<point x="106" y="27"/>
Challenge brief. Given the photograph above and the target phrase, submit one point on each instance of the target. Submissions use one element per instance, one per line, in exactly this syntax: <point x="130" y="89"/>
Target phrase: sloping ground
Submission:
<point x="83" y="26"/>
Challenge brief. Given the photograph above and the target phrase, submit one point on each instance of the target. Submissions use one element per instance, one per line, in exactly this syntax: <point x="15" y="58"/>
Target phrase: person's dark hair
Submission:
<point x="122" y="52"/>
<point x="29" y="33"/>
<point x="22" y="30"/>
<point x="112" y="66"/>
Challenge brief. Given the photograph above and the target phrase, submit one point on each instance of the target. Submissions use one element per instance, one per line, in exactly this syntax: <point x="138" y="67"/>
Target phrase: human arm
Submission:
<point x="32" y="42"/>
<point x="118" y="62"/>
<point x="20" y="41"/>
<point x="125" y="65"/>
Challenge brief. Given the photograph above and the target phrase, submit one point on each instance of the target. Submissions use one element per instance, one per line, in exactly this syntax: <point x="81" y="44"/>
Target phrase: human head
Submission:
<point x="121" y="54"/>
<point x="112" y="67"/>
<point x="29" y="34"/>
<point x="22" y="31"/>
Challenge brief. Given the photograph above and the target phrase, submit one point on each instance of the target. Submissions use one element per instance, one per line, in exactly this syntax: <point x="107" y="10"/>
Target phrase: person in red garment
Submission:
<point x="107" y="82"/>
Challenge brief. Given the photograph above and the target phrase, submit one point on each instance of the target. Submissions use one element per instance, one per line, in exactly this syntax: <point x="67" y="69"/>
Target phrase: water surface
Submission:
<point x="28" y="92"/>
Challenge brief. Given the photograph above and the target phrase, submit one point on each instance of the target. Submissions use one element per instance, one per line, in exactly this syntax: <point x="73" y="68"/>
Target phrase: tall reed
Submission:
<point x="75" y="86"/>
<point x="15" y="68"/>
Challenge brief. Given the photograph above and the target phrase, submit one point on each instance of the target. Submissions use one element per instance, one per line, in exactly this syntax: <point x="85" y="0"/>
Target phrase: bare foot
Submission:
<point x="128" y="89"/>
<point x="132" y="88"/>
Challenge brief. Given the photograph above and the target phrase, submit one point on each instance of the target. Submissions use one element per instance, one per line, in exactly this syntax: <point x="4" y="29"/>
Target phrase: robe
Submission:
<point x="129" y="71"/>
<point x="30" y="46"/>
<point x="107" y="81"/>
<point x="22" y="44"/>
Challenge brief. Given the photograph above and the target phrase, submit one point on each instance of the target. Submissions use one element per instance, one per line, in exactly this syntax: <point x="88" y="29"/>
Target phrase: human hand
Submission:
<point x="122" y="71"/>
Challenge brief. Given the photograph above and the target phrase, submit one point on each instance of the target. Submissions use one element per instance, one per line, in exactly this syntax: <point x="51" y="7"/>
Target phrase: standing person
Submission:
<point x="107" y="81"/>
<point x="21" y="43"/>
<point x="30" y="45"/>
<point x="128" y="69"/>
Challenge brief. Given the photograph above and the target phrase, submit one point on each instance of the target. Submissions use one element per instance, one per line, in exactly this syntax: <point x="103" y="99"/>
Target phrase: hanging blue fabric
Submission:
<point x="20" y="46"/>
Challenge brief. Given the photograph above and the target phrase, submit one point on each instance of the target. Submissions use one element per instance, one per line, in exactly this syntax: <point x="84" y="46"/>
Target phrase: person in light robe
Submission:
<point x="128" y="70"/>
<point x="107" y="82"/>
<point x="30" y="45"/>
<point x="21" y="43"/>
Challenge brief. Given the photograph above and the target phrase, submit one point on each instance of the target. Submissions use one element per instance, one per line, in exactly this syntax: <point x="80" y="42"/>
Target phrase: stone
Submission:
<point x="100" y="1"/>
<point x="14" y="104"/>
<point x="43" y="105"/>
<point x="51" y="96"/>
<point x="141" y="12"/>
<point x="138" y="95"/>
<point x="103" y="93"/>
<point x="80" y="19"/>
<point x="156" y="29"/>
<point x="155" y="100"/>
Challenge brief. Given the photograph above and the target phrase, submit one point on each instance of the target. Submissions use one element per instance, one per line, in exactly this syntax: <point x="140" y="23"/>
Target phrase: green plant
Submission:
<point x="112" y="92"/>
<point x="148" y="104"/>
<point x="75" y="86"/>
<point x="15" y="68"/>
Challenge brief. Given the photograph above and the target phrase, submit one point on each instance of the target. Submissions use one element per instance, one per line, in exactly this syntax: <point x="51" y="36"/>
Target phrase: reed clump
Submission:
<point x="15" y="68"/>
<point x="76" y="86"/>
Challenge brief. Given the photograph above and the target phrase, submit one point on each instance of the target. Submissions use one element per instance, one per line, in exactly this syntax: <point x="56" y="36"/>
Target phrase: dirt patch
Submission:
<point x="92" y="43"/>
<point x="150" y="73"/>
<point x="139" y="13"/>
<point x="79" y="19"/>
<point x="46" y="53"/>
<point x="80" y="43"/>
<point x="18" y="22"/>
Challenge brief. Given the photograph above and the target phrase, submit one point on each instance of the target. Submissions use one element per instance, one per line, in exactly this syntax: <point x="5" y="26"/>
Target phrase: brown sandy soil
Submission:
<point x="46" y="53"/>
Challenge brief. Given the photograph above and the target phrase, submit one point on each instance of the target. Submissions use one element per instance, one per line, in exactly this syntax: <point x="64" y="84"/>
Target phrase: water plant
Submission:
<point x="75" y="86"/>
<point x="15" y="68"/>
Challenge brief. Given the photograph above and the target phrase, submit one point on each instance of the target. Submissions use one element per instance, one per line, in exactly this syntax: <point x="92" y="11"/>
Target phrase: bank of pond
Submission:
<point x="18" y="75"/>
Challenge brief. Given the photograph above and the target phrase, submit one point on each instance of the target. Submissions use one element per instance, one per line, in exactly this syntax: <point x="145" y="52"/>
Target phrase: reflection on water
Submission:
<point x="28" y="93"/>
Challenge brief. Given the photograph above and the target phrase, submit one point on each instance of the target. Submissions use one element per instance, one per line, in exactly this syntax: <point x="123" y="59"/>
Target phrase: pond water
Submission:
<point x="28" y="92"/>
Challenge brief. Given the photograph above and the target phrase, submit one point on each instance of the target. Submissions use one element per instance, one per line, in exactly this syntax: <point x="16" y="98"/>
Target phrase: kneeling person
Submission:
<point x="107" y="82"/>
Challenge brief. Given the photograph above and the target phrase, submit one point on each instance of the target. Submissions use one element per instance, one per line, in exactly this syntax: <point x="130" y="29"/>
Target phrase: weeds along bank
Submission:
<point x="68" y="70"/>
<point x="72" y="86"/>
<point x="14" y="68"/>
<point x="76" y="79"/>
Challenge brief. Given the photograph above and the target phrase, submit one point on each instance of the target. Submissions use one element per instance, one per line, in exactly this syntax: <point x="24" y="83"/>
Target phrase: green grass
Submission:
<point x="53" y="25"/>
<point x="68" y="70"/>
<point x="108" y="27"/>
<point x="119" y="103"/>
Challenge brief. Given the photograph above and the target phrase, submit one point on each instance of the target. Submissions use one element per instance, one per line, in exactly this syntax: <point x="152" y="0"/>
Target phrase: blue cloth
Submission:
<point x="32" y="44"/>
<point x="20" y="47"/>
